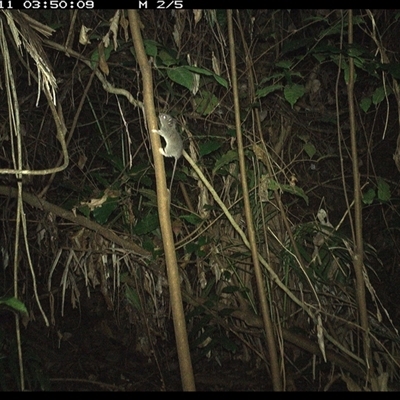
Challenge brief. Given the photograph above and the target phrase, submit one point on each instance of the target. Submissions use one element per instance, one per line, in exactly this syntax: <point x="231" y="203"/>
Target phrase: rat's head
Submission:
<point x="167" y="122"/>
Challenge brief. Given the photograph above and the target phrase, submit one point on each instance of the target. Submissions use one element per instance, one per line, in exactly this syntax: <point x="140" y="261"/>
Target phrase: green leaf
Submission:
<point x="197" y="247"/>
<point x="319" y="57"/>
<point x="310" y="149"/>
<point x="208" y="147"/>
<point x="151" y="47"/>
<point x="182" y="76"/>
<point x="85" y="210"/>
<point x="383" y="190"/>
<point x="221" y="18"/>
<point x="267" y="90"/>
<point x="147" y="225"/>
<point x="227" y="158"/>
<point x="332" y="30"/>
<point x="100" y="178"/>
<point x="14" y="303"/>
<point x="206" y="72"/>
<point x="285" y="64"/>
<point x="325" y="49"/>
<point x="190" y="248"/>
<point x="369" y="196"/>
<point x="101" y="214"/>
<point x="365" y="104"/>
<point x="272" y="77"/>
<point x="273" y="185"/>
<point x="149" y="245"/>
<point x="149" y="194"/>
<point x="346" y="70"/>
<point x="133" y="298"/>
<point x="296" y="191"/>
<point x="379" y="95"/>
<point x="167" y="58"/>
<point x="357" y="51"/>
<point x="290" y="45"/>
<point x="293" y="93"/>
<point x="192" y="219"/>
<point x="94" y="59"/>
<point x="198" y="70"/>
<point x="393" y="69"/>
<point x="206" y="102"/>
<point x="223" y="82"/>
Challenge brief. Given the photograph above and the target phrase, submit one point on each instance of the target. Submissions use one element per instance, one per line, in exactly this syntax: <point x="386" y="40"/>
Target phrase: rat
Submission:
<point x="173" y="140"/>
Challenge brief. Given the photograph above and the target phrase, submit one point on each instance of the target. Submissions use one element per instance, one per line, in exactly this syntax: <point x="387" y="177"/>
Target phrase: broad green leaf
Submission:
<point x="393" y="69"/>
<point x="298" y="191"/>
<point x="221" y="81"/>
<point x="149" y="245"/>
<point x="285" y="64"/>
<point x="310" y="149"/>
<point x="147" y="225"/>
<point x="290" y="45"/>
<point x="227" y="158"/>
<point x="346" y="70"/>
<point x="277" y="75"/>
<point x="94" y="59"/>
<point x="151" y="47"/>
<point x="365" y="104"/>
<point x="190" y="248"/>
<point x="273" y="185"/>
<point x="293" y="93"/>
<point x="334" y="29"/>
<point x="14" y="303"/>
<point x="192" y="219"/>
<point x="208" y="147"/>
<point x="199" y="70"/>
<point x="369" y="196"/>
<point x="149" y="194"/>
<point x="101" y="178"/>
<point x="206" y="102"/>
<point x="166" y="58"/>
<point x="182" y="76"/>
<point x="267" y="90"/>
<point x="101" y="214"/>
<point x="85" y="210"/>
<point x="206" y="72"/>
<point x="320" y="57"/>
<point x="379" y="95"/>
<point x="383" y="190"/>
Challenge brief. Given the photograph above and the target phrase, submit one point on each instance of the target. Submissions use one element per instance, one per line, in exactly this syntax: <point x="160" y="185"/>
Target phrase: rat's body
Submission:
<point x="173" y="140"/>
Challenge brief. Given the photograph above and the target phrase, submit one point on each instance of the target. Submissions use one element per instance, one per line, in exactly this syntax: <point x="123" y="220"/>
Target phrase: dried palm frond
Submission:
<point x="27" y="35"/>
